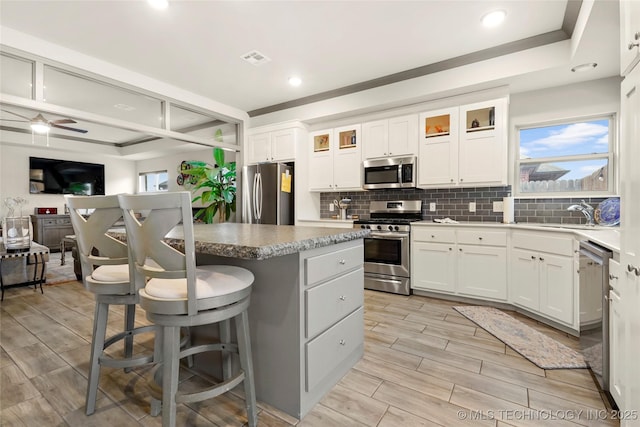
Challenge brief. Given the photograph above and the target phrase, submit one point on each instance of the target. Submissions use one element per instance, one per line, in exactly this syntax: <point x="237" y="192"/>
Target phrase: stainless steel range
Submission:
<point x="387" y="257"/>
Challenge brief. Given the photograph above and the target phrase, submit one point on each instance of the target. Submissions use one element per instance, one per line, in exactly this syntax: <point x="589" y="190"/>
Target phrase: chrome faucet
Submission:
<point x="586" y="209"/>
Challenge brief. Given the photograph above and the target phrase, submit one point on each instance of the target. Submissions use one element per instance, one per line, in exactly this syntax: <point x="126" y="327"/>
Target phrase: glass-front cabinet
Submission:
<point x="464" y="145"/>
<point x="438" y="161"/>
<point x="335" y="159"/>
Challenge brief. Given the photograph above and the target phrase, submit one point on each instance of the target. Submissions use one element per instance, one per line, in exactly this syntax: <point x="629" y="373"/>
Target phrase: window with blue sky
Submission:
<point x="569" y="158"/>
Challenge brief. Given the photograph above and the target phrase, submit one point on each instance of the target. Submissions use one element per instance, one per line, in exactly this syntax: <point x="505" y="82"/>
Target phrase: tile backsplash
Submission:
<point x="454" y="203"/>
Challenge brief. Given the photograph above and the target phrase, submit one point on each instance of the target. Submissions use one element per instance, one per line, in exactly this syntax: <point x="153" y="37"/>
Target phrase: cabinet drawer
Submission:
<point x="322" y="267"/>
<point x="63" y="221"/>
<point x="482" y="237"/>
<point x="329" y="350"/>
<point x="51" y="221"/>
<point x="331" y="301"/>
<point x="614" y="274"/>
<point x="433" y="234"/>
<point x="544" y="242"/>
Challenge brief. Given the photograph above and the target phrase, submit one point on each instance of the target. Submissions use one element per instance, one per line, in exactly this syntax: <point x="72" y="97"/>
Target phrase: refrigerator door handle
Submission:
<point x="259" y="197"/>
<point x="246" y="205"/>
<point x="254" y="205"/>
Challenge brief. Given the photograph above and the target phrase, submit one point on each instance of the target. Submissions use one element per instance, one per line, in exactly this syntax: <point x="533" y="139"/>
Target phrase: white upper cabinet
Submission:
<point x="629" y="35"/>
<point x="462" y="146"/>
<point x="438" y="154"/>
<point x="275" y="146"/>
<point x="397" y="136"/>
<point x="335" y="162"/>
<point x="482" y="149"/>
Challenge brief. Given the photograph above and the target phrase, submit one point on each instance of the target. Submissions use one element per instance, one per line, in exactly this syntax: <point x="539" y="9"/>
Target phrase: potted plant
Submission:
<point x="218" y="185"/>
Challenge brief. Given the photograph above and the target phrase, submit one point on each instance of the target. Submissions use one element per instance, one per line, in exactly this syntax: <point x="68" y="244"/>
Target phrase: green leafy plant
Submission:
<point x="218" y="182"/>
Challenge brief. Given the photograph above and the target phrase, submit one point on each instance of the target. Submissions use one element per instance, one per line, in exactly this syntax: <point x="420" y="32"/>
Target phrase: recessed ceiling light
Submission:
<point x="493" y="19"/>
<point x="158" y="4"/>
<point x="584" y="67"/>
<point x="295" y="81"/>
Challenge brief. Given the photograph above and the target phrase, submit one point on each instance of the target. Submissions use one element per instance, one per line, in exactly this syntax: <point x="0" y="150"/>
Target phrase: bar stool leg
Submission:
<point x="170" y="368"/>
<point x="244" y="348"/>
<point x="97" y="345"/>
<point x="225" y="338"/>
<point x="129" y="324"/>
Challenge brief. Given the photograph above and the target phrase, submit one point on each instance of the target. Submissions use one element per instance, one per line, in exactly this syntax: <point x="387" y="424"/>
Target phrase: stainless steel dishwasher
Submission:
<point x="594" y="311"/>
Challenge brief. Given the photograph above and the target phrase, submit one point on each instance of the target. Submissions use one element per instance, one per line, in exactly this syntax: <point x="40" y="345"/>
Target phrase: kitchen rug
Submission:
<point x="543" y="351"/>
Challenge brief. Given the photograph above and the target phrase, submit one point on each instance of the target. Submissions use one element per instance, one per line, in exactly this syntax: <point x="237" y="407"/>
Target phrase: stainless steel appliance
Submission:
<point x="594" y="311"/>
<point x="387" y="254"/>
<point x="392" y="172"/>
<point x="267" y="194"/>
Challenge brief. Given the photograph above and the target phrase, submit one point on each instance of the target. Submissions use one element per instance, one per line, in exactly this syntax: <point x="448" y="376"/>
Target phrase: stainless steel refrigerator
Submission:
<point x="267" y="194"/>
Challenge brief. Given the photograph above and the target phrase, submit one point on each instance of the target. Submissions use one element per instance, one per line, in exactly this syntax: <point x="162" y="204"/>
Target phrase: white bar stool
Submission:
<point x="106" y="273"/>
<point x="180" y="294"/>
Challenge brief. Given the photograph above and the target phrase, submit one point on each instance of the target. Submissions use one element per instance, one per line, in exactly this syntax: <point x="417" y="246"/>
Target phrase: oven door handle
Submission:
<point x="389" y="236"/>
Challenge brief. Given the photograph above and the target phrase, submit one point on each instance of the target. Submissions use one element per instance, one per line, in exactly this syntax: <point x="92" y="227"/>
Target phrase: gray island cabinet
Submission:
<point x="306" y="312"/>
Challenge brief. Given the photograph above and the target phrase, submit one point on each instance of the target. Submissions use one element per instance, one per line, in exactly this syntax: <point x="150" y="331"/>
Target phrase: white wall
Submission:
<point x="120" y="175"/>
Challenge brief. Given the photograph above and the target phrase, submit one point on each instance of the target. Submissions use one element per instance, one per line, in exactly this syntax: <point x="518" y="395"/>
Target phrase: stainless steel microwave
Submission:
<point x="392" y="172"/>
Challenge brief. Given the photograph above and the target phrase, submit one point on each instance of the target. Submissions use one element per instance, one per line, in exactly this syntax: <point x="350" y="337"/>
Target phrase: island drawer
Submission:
<point x="433" y="234"/>
<point x="328" y="351"/>
<point x="482" y="237"/>
<point x="322" y="267"/>
<point x="331" y="301"/>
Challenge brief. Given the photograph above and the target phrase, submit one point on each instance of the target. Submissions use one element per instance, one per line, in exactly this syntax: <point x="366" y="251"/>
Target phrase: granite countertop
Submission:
<point x="258" y="241"/>
<point x="608" y="237"/>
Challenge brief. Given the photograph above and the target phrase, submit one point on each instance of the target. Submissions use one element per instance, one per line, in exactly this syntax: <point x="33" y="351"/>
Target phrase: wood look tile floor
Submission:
<point x="424" y="365"/>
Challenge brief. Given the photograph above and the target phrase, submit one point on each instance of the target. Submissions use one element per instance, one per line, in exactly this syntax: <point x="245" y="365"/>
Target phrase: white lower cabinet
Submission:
<point x="482" y="271"/>
<point x="524" y="286"/>
<point x="433" y="266"/>
<point x="543" y="275"/>
<point x="535" y="270"/>
<point x="469" y="262"/>
<point x="617" y="338"/>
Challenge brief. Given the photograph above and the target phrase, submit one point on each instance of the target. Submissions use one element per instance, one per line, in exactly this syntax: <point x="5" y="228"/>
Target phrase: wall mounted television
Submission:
<point x="53" y="176"/>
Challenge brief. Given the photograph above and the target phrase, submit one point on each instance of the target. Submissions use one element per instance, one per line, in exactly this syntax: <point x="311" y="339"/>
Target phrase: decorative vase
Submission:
<point x="16" y="232"/>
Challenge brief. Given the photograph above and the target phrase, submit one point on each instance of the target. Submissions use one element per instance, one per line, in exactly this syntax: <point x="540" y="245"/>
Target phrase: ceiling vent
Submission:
<point x="256" y="58"/>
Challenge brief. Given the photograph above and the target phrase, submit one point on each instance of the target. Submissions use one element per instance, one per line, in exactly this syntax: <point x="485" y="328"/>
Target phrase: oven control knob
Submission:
<point x="379" y="228"/>
<point x="397" y="228"/>
<point x="391" y="228"/>
<point x="369" y="227"/>
<point x="363" y="226"/>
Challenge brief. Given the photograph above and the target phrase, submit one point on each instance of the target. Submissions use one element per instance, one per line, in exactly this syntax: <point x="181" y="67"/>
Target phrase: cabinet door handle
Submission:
<point x="342" y="262"/>
<point x="479" y="238"/>
<point x="632" y="45"/>
<point x="451" y="179"/>
<point x="612" y="277"/>
<point x="433" y="236"/>
<point x="450" y="249"/>
<point x="541" y="259"/>
<point x="460" y="249"/>
<point x="533" y="257"/>
<point x="342" y="342"/>
<point x="342" y="298"/>
<point x="630" y="268"/>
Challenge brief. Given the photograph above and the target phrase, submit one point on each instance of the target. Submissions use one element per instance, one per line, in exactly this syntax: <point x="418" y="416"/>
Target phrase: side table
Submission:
<point x="37" y="252"/>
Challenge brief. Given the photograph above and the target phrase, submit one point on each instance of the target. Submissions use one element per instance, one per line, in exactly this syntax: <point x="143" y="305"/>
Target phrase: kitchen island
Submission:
<point x="306" y="312"/>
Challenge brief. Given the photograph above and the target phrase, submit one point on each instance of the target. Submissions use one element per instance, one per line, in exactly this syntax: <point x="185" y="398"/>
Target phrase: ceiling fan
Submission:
<point x="41" y="125"/>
